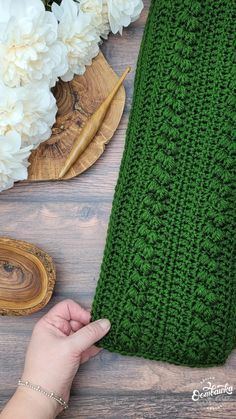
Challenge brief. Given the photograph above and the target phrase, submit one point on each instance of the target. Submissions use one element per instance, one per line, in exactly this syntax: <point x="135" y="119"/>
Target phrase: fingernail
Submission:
<point x="105" y="324"/>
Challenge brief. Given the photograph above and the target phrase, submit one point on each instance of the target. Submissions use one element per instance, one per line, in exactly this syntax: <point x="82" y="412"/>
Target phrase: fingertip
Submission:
<point x="105" y="324"/>
<point x="87" y="316"/>
<point x="78" y="313"/>
<point x="90" y="334"/>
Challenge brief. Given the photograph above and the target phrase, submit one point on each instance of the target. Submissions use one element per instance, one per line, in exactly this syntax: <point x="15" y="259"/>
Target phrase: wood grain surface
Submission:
<point x="27" y="277"/>
<point x="69" y="221"/>
<point x="77" y="101"/>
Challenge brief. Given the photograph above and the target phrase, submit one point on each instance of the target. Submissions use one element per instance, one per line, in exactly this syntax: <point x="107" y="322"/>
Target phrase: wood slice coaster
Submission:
<point x="77" y="101"/>
<point x="27" y="277"/>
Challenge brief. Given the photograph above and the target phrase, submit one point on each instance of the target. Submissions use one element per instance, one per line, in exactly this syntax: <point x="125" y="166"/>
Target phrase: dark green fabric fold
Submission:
<point x="167" y="280"/>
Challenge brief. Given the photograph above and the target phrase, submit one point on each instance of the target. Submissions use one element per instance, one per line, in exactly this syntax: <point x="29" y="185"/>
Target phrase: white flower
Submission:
<point x="99" y="12"/>
<point x="30" y="110"/>
<point x="29" y="48"/>
<point x="13" y="160"/>
<point x="122" y="13"/>
<point x="78" y="34"/>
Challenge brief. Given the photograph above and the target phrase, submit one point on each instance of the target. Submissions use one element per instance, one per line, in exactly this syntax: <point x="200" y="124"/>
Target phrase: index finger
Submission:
<point x="69" y="310"/>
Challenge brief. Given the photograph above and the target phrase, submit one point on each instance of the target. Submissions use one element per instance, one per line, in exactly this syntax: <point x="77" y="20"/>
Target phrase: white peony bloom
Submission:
<point x="99" y="12"/>
<point x="77" y="32"/>
<point x="122" y="13"/>
<point x="29" y="110"/>
<point x="13" y="160"/>
<point x="29" y="48"/>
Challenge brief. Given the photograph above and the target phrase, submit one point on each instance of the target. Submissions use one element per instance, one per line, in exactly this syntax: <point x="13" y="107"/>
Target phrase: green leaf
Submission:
<point x="48" y="3"/>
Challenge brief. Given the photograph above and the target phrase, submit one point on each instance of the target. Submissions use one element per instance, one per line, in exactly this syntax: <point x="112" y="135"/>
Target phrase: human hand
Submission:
<point x="61" y="340"/>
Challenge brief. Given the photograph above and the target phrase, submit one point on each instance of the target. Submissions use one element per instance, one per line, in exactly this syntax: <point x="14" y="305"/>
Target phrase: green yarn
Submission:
<point x="167" y="281"/>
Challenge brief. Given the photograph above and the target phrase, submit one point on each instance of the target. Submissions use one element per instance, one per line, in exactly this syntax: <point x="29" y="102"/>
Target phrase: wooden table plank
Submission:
<point x="69" y="221"/>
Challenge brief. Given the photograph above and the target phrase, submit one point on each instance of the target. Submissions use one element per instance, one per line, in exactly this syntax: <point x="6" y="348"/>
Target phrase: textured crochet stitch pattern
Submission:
<point x="167" y="280"/>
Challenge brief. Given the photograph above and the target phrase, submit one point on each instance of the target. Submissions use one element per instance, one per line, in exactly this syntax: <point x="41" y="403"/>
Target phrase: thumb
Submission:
<point x="90" y="334"/>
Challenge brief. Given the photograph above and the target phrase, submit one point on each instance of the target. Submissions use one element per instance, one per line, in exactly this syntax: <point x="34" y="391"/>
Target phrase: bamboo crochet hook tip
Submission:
<point x="91" y="127"/>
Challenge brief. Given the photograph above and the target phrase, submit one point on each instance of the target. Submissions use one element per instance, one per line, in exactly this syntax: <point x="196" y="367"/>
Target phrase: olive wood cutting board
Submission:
<point x="77" y="101"/>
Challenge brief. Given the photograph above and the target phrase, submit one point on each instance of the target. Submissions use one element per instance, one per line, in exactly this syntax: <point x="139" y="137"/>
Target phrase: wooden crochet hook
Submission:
<point x="91" y="128"/>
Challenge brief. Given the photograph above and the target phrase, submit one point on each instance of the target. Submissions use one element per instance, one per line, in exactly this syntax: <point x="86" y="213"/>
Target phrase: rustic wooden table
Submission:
<point x="69" y="220"/>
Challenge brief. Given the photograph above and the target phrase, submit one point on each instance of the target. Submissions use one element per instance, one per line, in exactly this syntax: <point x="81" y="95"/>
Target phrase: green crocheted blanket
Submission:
<point x="167" y="280"/>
